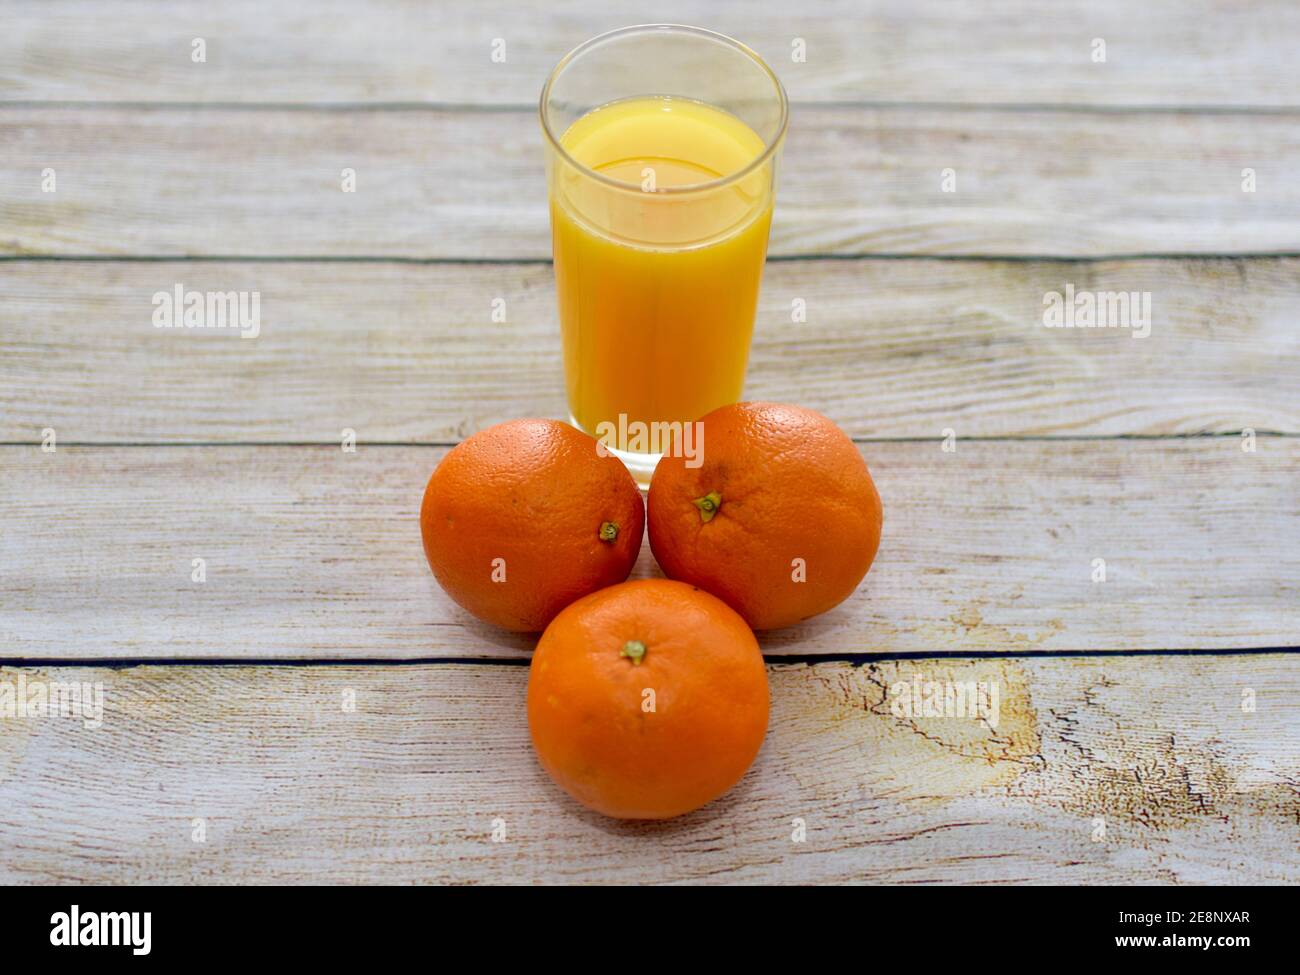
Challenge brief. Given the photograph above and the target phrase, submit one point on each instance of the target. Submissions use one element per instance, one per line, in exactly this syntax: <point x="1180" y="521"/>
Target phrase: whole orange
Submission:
<point x="524" y="517"/>
<point x="647" y="700"/>
<point x="781" y="520"/>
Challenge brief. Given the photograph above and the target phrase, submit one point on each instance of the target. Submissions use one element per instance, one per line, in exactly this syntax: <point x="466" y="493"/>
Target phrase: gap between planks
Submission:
<point x="1281" y="111"/>
<point x="771" y="659"/>
<point x="434" y="445"/>
<point x="864" y="257"/>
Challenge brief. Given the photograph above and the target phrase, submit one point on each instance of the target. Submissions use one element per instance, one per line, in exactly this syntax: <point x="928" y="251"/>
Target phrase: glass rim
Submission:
<point x="769" y="148"/>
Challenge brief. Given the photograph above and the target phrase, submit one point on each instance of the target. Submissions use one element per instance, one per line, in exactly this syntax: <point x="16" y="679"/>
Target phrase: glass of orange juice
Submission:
<point x="662" y="150"/>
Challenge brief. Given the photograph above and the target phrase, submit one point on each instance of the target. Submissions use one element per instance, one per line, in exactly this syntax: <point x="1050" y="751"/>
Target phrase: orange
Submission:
<point x="524" y="517"/>
<point x="647" y="700"/>
<point x="781" y="520"/>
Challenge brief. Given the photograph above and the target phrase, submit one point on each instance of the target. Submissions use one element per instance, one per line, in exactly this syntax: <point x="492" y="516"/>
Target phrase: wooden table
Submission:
<point x="317" y="710"/>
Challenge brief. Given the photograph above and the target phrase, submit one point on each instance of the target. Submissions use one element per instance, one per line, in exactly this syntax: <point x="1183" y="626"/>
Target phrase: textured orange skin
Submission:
<point x="585" y="700"/>
<point x="532" y="492"/>
<point x="793" y="486"/>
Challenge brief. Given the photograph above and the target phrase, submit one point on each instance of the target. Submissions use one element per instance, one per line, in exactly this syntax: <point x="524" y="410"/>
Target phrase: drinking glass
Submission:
<point x="662" y="145"/>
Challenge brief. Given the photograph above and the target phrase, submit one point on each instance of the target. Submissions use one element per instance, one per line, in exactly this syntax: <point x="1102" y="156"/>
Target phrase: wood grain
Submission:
<point x="1161" y="52"/>
<point x="452" y="184"/>
<point x="1115" y="771"/>
<point x="409" y="353"/>
<point x="312" y="553"/>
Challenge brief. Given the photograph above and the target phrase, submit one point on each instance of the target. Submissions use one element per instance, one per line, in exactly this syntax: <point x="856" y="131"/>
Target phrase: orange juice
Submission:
<point x="657" y="270"/>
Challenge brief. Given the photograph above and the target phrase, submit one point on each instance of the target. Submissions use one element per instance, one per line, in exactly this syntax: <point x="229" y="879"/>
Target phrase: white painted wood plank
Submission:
<point x="313" y="553"/>
<point x="291" y="788"/>
<point x="1161" y="52"/>
<point x="408" y="353"/>
<point x="451" y="184"/>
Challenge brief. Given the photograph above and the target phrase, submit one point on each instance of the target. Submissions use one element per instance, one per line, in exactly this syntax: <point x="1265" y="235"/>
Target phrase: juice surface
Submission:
<point x="657" y="291"/>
